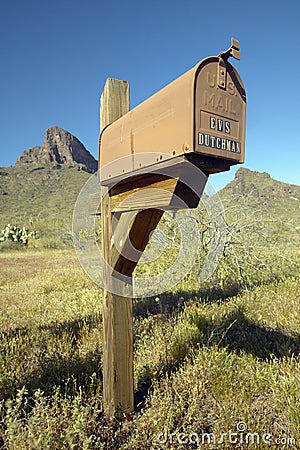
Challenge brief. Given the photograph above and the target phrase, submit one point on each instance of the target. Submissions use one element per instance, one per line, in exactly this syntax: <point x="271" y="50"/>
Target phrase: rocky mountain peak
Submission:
<point x="251" y="183"/>
<point x="60" y="147"/>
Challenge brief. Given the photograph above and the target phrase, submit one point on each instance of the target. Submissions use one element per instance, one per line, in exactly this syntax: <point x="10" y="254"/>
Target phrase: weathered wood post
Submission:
<point x="117" y="310"/>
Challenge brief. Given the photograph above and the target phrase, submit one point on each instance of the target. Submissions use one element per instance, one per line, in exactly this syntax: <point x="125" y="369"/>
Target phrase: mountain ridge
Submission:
<point x="253" y="182"/>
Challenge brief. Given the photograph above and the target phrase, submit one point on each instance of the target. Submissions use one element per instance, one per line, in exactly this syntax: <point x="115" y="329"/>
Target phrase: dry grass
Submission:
<point x="203" y="363"/>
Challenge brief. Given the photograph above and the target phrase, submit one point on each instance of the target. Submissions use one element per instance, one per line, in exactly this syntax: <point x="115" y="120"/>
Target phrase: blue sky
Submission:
<point x="57" y="54"/>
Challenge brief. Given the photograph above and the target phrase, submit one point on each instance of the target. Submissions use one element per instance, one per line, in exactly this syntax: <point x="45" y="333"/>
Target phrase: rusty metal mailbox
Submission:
<point x="200" y="115"/>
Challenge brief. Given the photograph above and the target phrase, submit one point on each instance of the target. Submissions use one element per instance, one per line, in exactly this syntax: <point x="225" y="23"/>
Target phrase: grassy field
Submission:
<point x="210" y="361"/>
<point x="216" y="364"/>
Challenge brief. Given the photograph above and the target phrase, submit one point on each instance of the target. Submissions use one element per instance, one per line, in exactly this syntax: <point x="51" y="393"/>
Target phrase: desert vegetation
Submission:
<point x="216" y="363"/>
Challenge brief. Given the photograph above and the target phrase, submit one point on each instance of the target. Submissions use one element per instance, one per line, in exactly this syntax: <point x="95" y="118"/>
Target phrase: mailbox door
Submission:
<point x="220" y="108"/>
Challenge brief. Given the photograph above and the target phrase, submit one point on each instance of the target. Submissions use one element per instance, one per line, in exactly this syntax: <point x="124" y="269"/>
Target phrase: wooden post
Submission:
<point x="117" y="310"/>
<point x="123" y="241"/>
<point x="114" y="101"/>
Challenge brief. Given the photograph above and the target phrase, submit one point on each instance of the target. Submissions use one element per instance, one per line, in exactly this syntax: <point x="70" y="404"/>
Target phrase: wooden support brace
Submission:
<point x="130" y="241"/>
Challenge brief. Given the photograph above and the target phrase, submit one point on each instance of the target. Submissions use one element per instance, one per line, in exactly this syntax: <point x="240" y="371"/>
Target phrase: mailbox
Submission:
<point x="200" y="115"/>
